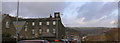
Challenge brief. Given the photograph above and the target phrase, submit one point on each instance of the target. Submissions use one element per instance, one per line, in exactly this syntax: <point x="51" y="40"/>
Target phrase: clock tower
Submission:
<point x="57" y="14"/>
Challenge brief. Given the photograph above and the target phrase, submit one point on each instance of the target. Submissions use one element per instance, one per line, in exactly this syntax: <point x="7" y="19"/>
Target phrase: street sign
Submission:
<point x="19" y="25"/>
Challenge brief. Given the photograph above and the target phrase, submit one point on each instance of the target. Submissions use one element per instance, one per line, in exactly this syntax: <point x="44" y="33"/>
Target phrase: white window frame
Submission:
<point x="54" y="22"/>
<point x="54" y="31"/>
<point x="27" y="23"/>
<point x="33" y="31"/>
<point x="7" y="24"/>
<point x="47" y="23"/>
<point x="40" y="30"/>
<point x="40" y="23"/>
<point x="33" y="23"/>
<point x="25" y="28"/>
<point x="48" y="30"/>
<point x="33" y="37"/>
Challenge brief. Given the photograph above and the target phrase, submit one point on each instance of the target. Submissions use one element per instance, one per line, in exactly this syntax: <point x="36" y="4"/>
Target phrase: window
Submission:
<point x="26" y="29"/>
<point x="40" y="30"/>
<point x="33" y="31"/>
<point x="47" y="23"/>
<point x="33" y="37"/>
<point x="26" y="36"/>
<point x="48" y="30"/>
<point x="53" y="30"/>
<point x="21" y="36"/>
<point x="7" y="24"/>
<point x="33" y="23"/>
<point x="27" y="23"/>
<point x="40" y="23"/>
<point x="54" y="23"/>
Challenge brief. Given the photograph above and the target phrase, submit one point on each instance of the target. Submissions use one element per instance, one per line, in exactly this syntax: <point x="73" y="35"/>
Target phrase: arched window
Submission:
<point x="7" y="24"/>
<point x="25" y="28"/>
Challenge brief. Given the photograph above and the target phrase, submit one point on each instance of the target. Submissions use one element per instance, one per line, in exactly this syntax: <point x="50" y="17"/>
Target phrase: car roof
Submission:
<point x="33" y="40"/>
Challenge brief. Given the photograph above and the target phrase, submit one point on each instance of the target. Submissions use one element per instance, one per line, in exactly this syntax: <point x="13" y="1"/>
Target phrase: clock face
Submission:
<point x="56" y="15"/>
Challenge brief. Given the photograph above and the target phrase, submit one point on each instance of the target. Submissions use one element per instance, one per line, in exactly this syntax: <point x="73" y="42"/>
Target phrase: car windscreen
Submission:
<point x="30" y="42"/>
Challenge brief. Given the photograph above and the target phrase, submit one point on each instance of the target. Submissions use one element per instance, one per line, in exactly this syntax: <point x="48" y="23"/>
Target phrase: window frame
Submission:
<point x="40" y="23"/>
<point x="48" y="30"/>
<point x="40" y="31"/>
<point x="26" y="29"/>
<point x="7" y="24"/>
<point x="47" y="23"/>
<point x="54" y="22"/>
<point x="33" y="31"/>
<point x="33" y="23"/>
<point x="54" y="31"/>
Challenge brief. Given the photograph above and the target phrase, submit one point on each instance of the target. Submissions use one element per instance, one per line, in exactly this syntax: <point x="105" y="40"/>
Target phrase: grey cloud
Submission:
<point x="8" y="7"/>
<point x="95" y="14"/>
<point x="91" y="11"/>
<point x="42" y="9"/>
<point x="34" y="9"/>
<point x="95" y="10"/>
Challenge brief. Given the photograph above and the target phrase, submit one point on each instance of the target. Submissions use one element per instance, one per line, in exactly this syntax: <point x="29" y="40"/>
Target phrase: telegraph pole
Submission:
<point x="17" y="34"/>
<point x="17" y="10"/>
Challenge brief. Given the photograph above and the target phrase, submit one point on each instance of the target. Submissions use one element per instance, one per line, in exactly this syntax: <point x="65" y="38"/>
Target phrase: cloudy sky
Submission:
<point x="74" y="14"/>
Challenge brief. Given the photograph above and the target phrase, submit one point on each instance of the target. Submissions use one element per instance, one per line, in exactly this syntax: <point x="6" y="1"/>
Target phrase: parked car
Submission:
<point x="33" y="41"/>
<point x="65" y="40"/>
<point x="56" y="41"/>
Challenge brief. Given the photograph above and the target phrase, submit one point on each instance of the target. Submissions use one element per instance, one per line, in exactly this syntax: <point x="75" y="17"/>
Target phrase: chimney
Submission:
<point x="50" y="16"/>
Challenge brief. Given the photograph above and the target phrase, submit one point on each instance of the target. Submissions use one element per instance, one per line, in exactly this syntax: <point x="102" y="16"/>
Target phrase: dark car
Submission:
<point x="33" y="41"/>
